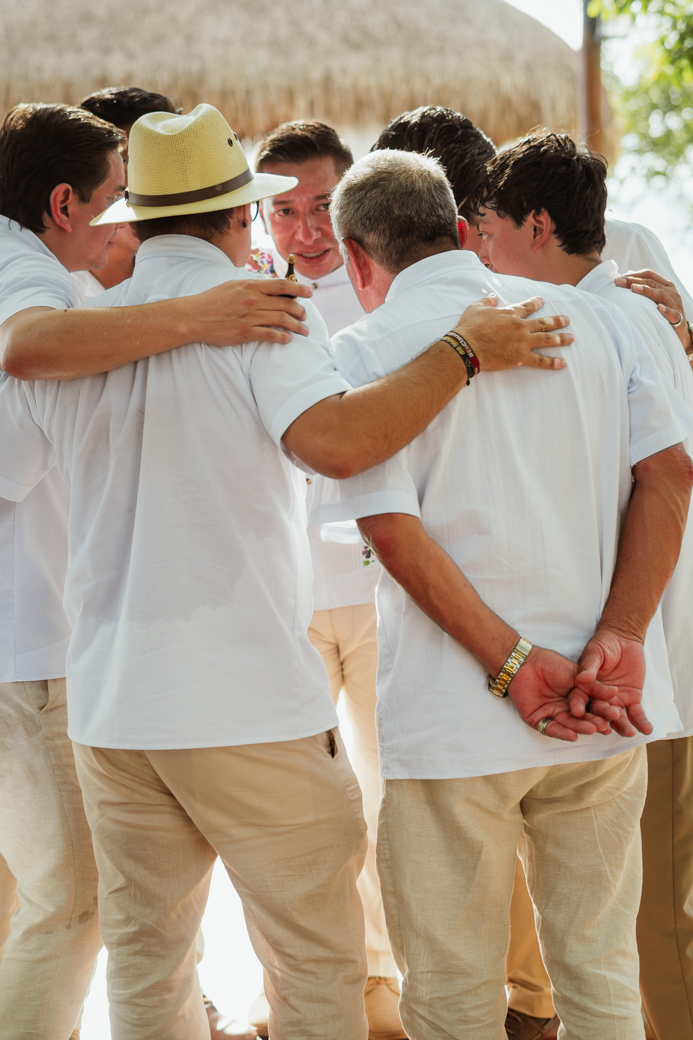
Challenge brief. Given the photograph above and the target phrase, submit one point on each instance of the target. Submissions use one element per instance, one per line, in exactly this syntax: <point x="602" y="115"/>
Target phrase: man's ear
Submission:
<point x="360" y="264"/>
<point x="60" y="203"/>
<point x="462" y="231"/>
<point x="542" y="228"/>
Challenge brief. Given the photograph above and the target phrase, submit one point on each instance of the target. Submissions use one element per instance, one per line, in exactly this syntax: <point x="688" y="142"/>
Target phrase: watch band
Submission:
<point x="499" y="685"/>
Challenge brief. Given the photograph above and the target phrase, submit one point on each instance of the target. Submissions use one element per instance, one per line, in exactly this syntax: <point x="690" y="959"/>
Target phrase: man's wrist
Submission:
<point x="185" y="327"/>
<point x="689" y="347"/>
<point x="462" y="348"/>
<point x="623" y="630"/>
<point x="500" y="684"/>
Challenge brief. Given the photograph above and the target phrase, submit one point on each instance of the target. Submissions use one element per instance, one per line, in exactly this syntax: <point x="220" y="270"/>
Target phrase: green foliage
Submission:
<point x="657" y="110"/>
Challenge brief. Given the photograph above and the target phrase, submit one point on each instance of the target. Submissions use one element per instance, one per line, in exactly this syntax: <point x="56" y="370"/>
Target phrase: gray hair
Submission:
<point x="394" y="204"/>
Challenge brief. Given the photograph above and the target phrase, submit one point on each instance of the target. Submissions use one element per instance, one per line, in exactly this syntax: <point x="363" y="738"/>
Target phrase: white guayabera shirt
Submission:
<point x="636" y="248"/>
<point x="344" y="573"/>
<point x="189" y="576"/>
<point x="34" y="632"/>
<point x="524" y="480"/>
<point x="673" y="364"/>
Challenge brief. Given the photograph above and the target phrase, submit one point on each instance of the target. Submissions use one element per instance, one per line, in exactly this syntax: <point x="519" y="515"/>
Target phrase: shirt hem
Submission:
<point x="365" y="505"/>
<point x="213" y="742"/>
<point x="657" y="442"/>
<point x="12" y="491"/>
<point x="531" y="762"/>
<point x="304" y="399"/>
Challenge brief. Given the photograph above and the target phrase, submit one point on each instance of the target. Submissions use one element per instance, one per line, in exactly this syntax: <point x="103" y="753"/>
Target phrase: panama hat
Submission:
<point x="187" y="164"/>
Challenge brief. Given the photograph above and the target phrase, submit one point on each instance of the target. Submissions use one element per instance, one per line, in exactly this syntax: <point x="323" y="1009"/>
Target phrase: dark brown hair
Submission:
<point x="201" y="225"/>
<point x="462" y="148"/>
<point x="42" y="146"/>
<point x="122" y="106"/>
<point x="300" y="141"/>
<point x="547" y="171"/>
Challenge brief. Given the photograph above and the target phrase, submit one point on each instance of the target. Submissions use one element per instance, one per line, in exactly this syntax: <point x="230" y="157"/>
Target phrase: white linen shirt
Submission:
<point x="87" y="285"/>
<point x="344" y="573"/>
<point x="34" y="632"/>
<point x="523" y="479"/>
<point x="635" y="248"/>
<point x="672" y="361"/>
<point x="189" y="577"/>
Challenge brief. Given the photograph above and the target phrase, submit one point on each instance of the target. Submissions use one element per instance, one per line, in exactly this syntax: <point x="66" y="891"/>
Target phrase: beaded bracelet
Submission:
<point x="461" y="347"/>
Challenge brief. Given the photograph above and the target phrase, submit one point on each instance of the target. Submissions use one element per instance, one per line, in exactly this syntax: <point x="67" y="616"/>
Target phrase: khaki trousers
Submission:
<point x="347" y="639"/>
<point x="287" y="822"/>
<point x="49" y="928"/>
<point x="446" y="856"/>
<point x="665" y="921"/>
<point x="665" y="918"/>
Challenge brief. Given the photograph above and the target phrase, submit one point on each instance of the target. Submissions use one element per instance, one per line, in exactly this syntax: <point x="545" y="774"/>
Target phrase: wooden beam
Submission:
<point x="591" y="128"/>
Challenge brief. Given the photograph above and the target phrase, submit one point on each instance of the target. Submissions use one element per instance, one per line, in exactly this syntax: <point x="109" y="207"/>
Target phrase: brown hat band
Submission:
<point x="181" y="198"/>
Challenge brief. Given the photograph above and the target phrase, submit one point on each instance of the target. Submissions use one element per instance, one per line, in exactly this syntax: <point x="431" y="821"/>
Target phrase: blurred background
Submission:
<point x="618" y="74"/>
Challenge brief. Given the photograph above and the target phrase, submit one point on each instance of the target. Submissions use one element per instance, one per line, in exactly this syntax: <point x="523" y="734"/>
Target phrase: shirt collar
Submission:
<point x="28" y="238"/>
<point x="599" y="277"/>
<point x="185" y="247"/>
<point x="431" y="268"/>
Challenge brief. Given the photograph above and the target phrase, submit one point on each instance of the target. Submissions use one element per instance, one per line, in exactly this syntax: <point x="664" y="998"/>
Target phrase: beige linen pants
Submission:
<point x="287" y="822"/>
<point x="665" y="918"/>
<point x="49" y="927"/>
<point x="347" y="639"/>
<point x="446" y="856"/>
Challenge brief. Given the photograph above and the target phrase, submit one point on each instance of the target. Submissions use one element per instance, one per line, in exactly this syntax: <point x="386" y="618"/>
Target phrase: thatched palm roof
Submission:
<point x="354" y="63"/>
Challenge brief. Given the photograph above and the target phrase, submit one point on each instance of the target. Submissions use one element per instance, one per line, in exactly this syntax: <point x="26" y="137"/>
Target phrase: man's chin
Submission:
<point x="319" y="266"/>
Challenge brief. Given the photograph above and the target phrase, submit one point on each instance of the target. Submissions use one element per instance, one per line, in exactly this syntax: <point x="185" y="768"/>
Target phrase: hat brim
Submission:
<point x="262" y="186"/>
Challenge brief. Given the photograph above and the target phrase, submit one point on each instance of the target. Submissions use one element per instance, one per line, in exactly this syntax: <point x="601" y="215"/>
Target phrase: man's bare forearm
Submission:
<point x="350" y="432"/>
<point x="41" y="343"/>
<point x="438" y="587"/>
<point x="64" y="344"/>
<point x="650" y="541"/>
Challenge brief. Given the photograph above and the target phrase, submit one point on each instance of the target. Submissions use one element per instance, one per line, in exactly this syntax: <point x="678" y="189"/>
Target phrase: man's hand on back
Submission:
<point x="540" y="690"/>
<point x="248" y="309"/>
<point x="506" y="337"/>
<point x="619" y="663"/>
<point x="665" y="294"/>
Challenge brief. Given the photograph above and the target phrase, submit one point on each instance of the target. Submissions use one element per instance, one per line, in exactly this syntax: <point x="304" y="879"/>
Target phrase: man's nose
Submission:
<point x="308" y="229"/>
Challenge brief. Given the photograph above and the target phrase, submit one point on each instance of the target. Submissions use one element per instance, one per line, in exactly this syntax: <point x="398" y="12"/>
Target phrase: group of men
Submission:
<point x="179" y="619"/>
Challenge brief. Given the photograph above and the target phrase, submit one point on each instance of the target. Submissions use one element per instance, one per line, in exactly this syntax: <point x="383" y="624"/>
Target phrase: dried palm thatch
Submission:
<point x="353" y="63"/>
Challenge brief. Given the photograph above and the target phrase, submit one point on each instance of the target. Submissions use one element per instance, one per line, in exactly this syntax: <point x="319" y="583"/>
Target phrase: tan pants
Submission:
<point x="286" y="820"/>
<point x="665" y="918"/>
<point x="446" y="856"/>
<point x="347" y="639"/>
<point x="665" y="921"/>
<point x="48" y="884"/>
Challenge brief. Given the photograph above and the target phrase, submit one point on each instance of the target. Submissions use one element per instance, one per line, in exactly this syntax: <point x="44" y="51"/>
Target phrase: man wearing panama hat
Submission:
<point x="200" y="713"/>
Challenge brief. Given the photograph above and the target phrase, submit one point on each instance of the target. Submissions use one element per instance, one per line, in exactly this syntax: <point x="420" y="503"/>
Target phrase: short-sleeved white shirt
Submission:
<point x="523" y="479"/>
<point x="635" y="248"/>
<point x="673" y="364"/>
<point x="189" y="576"/>
<point x="344" y="573"/>
<point x="34" y="631"/>
<point x="87" y="285"/>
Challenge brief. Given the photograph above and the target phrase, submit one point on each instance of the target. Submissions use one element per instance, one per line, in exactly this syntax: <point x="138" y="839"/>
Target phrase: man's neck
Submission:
<point x="567" y="268"/>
